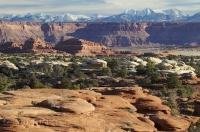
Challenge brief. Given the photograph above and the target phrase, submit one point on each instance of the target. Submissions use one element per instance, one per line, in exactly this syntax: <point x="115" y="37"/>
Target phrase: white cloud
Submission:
<point x="93" y="6"/>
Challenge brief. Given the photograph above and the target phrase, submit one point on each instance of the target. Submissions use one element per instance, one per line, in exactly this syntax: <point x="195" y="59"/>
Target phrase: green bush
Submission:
<point x="5" y="83"/>
<point x="173" y="82"/>
<point x="141" y="70"/>
<point x="122" y="72"/>
<point x="195" y="127"/>
<point x="66" y="83"/>
<point x="35" y="82"/>
<point x="185" y="91"/>
<point x="106" y="72"/>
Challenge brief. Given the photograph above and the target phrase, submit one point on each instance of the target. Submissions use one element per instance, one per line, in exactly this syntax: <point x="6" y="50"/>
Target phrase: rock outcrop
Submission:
<point x="100" y="109"/>
<point x="82" y="47"/>
<point x="174" y="33"/>
<point x="109" y="34"/>
<point x="114" y="34"/>
<point x="77" y="105"/>
<point x="37" y="46"/>
<point x="29" y="46"/>
<point x="170" y="123"/>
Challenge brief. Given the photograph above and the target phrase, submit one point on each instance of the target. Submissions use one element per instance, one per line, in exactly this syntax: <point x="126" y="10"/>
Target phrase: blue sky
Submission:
<point x="105" y="7"/>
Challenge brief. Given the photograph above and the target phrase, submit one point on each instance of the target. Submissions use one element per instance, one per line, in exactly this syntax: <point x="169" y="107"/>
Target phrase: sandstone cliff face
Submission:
<point x="56" y="32"/>
<point x="37" y="46"/>
<point x="174" y="33"/>
<point x="30" y="46"/>
<point x="114" y="34"/>
<point x="82" y="47"/>
<point x="109" y="34"/>
<point x="19" y="32"/>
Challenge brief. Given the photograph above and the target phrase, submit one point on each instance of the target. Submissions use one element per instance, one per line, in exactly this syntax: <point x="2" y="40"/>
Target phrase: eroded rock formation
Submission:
<point x="82" y="47"/>
<point x="109" y="34"/>
<point x="100" y="109"/>
<point x="37" y="46"/>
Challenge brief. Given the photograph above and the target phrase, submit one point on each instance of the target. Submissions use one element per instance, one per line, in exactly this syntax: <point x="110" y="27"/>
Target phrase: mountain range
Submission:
<point x="131" y="15"/>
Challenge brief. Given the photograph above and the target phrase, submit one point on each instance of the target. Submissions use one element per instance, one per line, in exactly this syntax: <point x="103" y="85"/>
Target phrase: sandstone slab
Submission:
<point x="77" y="105"/>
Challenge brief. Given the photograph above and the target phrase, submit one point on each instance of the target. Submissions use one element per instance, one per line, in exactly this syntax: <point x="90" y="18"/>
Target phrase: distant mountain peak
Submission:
<point x="146" y="11"/>
<point x="129" y="15"/>
<point x="174" y="12"/>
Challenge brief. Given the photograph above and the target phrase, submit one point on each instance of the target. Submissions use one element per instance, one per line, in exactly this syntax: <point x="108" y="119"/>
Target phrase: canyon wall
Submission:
<point x="110" y="34"/>
<point x="174" y="33"/>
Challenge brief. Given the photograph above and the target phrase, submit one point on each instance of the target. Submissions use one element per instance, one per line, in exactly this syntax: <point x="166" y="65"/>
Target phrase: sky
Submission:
<point x="105" y="7"/>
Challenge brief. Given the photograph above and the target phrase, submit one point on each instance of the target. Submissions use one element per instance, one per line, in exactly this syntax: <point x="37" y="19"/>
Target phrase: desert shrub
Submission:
<point x="66" y="83"/>
<point x="195" y="127"/>
<point x="87" y="83"/>
<point x="6" y="71"/>
<point x="155" y="77"/>
<point x="141" y="70"/>
<point x="173" y="82"/>
<point x="122" y="72"/>
<point x="197" y="68"/>
<point x="35" y="82"/>
<point x="58" y="71"/>
<point x="114" y="64"/>
<point x="144" y="82"/>
<point x="150" y="68"/>
<point x="75" y="71"/>
<point x="106" y="72"/>
<point x="172" y="103"/>
<point x="185" y="91"/>
<point x="5" y="83"/>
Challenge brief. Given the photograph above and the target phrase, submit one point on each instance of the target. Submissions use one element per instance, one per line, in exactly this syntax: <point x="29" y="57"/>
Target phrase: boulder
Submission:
<point x="151" y="104"/>
<point x="76" y="105"/>
<point x="170" y="123"/>
<point x="22" y="124"/>
<point x="3" y="102"/>
<point x="11" y="123"/>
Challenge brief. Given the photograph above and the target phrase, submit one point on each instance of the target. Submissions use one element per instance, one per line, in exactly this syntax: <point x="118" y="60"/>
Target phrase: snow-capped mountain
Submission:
<point x="131" y="15"/>
<point x="41" y="17"/>
<point x="147" y="15"/>
<point x="194" y="18"/>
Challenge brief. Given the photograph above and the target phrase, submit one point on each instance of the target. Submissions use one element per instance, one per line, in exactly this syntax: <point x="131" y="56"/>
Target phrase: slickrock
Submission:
<point x="26" y="111"/>
<point x="11" y="124"/>
<point x="76" y="105"/>
<point x="151" y="104"/>
<point x="100" y="109"/>
<point x="3" y="102"/>
<point x="170" y="123"/>
<point x="141" y="99"/>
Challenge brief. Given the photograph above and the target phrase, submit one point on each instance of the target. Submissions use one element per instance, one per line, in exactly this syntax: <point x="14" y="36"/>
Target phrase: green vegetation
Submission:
<point x="4" y="83"/>
<point x="195" y="127"/>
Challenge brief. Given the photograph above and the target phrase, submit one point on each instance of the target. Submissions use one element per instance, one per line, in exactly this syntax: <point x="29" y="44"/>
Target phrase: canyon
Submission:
<point x="15" y="34"/>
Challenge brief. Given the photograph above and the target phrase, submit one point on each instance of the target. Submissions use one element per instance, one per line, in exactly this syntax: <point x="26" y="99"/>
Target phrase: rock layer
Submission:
<point x="109" y="34"/>
<point x="106" y="109"/>
<point x="82" y="47"/>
